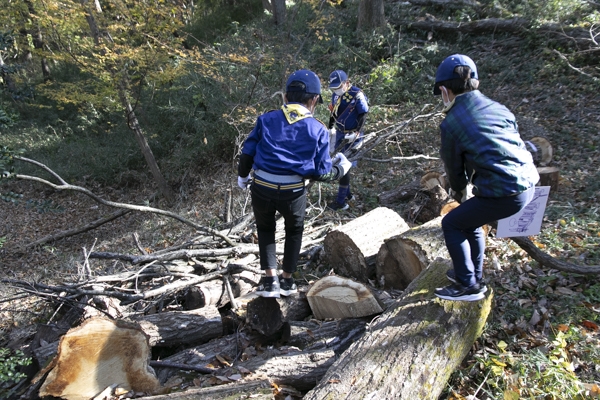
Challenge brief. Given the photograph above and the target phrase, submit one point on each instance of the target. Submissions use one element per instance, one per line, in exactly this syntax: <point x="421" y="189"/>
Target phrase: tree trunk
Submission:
<point x="351" y="249"/>
<point x="371" y="15"/>
<point x="279" y="12"/>
<point x="255" y="390"/>
<point x="38" y="41"/>
<point x="176" y="328"/>
<point x="412" y="349"/>
<point x="134" y="125"/>
<point x="402" y="258"/>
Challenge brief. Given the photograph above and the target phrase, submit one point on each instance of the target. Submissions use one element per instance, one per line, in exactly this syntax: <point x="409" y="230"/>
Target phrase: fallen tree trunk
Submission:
<point x="412" y="349"/>
<point x="256" y="390"/>
<point x="352" y="248"/>
<point x="174" y="328"/>
<point x="402" y="258"/>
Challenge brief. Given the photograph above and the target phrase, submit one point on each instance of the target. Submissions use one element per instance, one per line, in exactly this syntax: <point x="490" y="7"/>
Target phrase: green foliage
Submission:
<point x="9" y="365"/>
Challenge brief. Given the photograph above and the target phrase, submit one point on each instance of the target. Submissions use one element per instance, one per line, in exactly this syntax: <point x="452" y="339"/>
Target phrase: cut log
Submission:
<point x="428" y="204"/>
<point x="98" y="354"/>
<point x="267" y="316"/>
<point x="411" y="350"/>
<point x="542" y="156"/>
<point x="174" y="328"/>
<point x="549" y="176"/>
<point x="204" y="294"/>
<point x="433" y="179"/>
<point x="402" y="258"/>
<point x="399" y="194"/>
<point x="337" y="297"/>
<point x="351" y="249"/>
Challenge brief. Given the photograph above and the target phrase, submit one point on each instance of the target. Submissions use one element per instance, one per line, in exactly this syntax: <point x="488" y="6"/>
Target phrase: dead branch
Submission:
<point x="76" y="231"/>
<point x="65" y="186"/>
<point x="551" y="262"/>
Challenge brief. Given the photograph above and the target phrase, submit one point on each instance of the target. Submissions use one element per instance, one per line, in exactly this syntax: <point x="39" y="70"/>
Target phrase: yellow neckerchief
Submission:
<point x="295" y="112"/>
<point x="349" y="97"/>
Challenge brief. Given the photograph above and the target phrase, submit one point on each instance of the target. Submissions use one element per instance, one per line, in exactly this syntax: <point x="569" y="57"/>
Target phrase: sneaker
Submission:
<point x="350" y="197"/>
<point x="287" y="286"/>
<point x="451" y="275"/>
<point x="458" y="292"/>
<point x="335" y="206"/>
<point x="268" y="287"/>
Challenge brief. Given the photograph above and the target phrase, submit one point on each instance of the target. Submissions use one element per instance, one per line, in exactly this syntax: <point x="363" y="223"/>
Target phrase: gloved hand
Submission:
<point x="463" y="195"/>
<point x="341" y="160"/>
<point x="351" y="137"/>
<point x="243" y="182"/>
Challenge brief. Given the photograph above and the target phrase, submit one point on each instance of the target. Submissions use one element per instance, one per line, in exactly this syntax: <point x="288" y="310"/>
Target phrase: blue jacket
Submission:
<point x="346" y="109"/>
<point x="283" y="148"/>
<point x="481" y="143"/>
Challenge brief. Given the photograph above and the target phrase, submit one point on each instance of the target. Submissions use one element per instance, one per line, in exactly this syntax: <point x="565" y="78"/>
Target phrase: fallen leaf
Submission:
<point x="590" y="325"/>
<point x="562" y="327"/>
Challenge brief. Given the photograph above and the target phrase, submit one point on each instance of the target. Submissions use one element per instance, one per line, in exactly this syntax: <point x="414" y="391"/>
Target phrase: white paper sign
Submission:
<point x="528" y="221"/>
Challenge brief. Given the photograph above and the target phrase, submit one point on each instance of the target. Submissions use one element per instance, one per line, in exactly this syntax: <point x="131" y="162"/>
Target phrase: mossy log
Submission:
<point x="412" y="349"/>
<point x="402" y="258"/>
<point x="351" y="249"/>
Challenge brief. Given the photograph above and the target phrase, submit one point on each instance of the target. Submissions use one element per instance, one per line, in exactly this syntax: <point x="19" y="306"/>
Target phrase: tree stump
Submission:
<point x="549" y="176"/>
<point x="98" y="354"/>
<point x="351" y="249"/>
<point x="412" y="349"/>
<point x="402" y="258"/>
<point x="337" y="297"/>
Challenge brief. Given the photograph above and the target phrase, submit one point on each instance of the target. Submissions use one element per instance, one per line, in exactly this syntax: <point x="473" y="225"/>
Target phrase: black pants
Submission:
<point x="292" y="206"/>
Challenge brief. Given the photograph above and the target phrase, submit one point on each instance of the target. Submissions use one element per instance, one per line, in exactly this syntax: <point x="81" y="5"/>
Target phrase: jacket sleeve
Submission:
<point x="335" y="174"/>
<point x="245" y="165"/>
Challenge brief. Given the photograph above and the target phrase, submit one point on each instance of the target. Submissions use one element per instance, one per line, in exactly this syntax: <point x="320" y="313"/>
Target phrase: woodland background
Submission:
<point x="148" y="102"/>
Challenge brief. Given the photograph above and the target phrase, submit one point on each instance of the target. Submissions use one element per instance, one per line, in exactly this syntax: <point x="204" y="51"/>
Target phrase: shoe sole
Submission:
<point x="466" y="297"/>
<point x="288" y="292"/>
<point x="269" y="295"/>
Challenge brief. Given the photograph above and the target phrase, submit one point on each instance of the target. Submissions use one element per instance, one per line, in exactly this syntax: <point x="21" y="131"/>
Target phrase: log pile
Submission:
<point x="240" y="343"/>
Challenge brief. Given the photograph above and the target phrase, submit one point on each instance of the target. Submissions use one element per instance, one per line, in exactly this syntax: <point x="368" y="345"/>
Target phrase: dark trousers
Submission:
<point x="292" y="206"/>
<point x="464" y="236"/>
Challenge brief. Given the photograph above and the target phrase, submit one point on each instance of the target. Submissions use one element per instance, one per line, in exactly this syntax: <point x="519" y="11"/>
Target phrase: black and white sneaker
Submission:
<point x="350" y="197"/>
<point x="458" y="292"/>
<point x="287" y="286"/>
<point x="268" y="287"/>
<point x="451" y="275"/>
<point x="335" y="206"/>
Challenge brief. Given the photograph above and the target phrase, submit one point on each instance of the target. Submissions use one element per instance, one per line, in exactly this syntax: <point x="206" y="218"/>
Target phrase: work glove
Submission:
<point x="463" y="195"/>
<point x="351" y="137"/>
<point x="243" y="182"/>
<point x="341" y="160"/>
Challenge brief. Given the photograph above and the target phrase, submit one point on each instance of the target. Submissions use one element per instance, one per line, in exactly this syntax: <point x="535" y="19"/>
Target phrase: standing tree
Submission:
<point x="371" y="15"/>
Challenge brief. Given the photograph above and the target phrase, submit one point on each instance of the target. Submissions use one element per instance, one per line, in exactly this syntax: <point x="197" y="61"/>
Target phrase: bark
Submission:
<point x="549" y="176"/>
<point x="175" y="328"/>
<point x="351" y="249"/>
<point x="279" y="12"/>
<point x="428" y="204"/>
<point x="255" y="390"/>
<point x="402" y="258"/>
<point x="371" y="15"/>
<point x="412" y="349"/>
